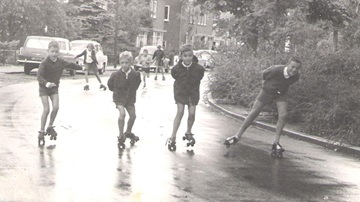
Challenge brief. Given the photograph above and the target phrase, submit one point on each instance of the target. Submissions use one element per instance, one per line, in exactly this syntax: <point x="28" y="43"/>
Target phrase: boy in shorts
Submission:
<point x="90" y="63"/>
<point x="187" y="74"/>
<point x="144" y="60"/>
<point x="124" y="84"/>
<point x="48" y="75"/>
<point x="277" y="80"/>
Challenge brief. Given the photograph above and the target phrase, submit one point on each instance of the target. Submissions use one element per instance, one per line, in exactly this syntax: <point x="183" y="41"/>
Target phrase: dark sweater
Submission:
<point x="50" y="71"/>
<point x="93" y="56"/>
<point x="187" y="82"/>
<point x="124" y="89"/>
<point x="275" y="81"/>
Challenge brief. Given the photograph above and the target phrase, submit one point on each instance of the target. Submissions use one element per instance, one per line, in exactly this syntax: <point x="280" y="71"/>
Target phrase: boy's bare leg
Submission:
<point x="121" y="120"/>
<point x="45" y="113"/>
<point x="282" y="113"/>
<point x="55" y="108"/>
<point x="144" y="77"/>
<point x="254" y="113"/>
<point x="97" y="75"/>
<point x="177" y="120"/>
<point x="132" y="117"/>
<point x="86" y="75"/>
<point x="156" y="71"/>
<point x="191" y="118"/>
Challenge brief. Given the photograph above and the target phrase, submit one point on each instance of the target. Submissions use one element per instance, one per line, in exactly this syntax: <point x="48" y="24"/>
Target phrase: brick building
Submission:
<point x="176" y="22"/>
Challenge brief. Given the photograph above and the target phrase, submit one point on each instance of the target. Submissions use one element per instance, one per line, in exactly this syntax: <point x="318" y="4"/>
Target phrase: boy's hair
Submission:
<point x="53" y="44"/>
<point x="126" y="54"/>
<point x="90" y="45"/>
<point x="295" y="59"/>
<point x="145" y="50"/>
<point x="186" y="48"/>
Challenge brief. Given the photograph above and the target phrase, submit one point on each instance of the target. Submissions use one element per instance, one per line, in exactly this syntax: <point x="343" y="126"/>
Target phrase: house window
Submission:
<point x="153" y="7"/>
<point x="157" y="38"/>
<point x="167" y="13"/>
<point x="202" y="19"/>
<point x="141" y="39"/>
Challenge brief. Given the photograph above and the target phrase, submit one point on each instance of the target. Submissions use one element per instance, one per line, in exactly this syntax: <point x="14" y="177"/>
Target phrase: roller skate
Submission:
<point x="41" y="138"/>
<point x="155" y="78"/>
<point x="171" y="144"/>
<point x="190" y="138"/>
<point x="121" y="142"/>
<point x="133" y="138"/>
<point x="102" y="87"/>
<point x="277" y="150"/>
<point x="163" y="78"/>
<point x="86" y="87"/>
<point x="50" y="131"/>
<point x="231" y="141"/>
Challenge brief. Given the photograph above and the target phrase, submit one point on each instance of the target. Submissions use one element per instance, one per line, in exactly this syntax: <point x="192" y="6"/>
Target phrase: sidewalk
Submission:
<point x="240" y="114"/>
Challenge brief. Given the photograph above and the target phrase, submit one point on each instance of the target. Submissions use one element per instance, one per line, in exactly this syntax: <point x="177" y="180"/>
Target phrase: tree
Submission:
<point x="20" y="18"/>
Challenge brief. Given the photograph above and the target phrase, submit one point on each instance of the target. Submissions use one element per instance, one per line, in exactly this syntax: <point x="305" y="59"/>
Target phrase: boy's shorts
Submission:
<point x="145" y="69"/>
<point x="48" y="91"/>
<point x="91" y="67"/>
<point x="117" y="104"/>
<point x="266" y="97"/>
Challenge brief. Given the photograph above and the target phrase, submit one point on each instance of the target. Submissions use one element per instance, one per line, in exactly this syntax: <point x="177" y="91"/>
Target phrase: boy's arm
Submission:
<point x="138" y="80"/>
<point x="40" y="75"/>
<point x="268" y="73"/>
<point x="174" y="72"/>
<point x="81" y="54"/>
<point x="110" y="82"/>
<point x="202" y="72"/>
<point x="72" y="65"/>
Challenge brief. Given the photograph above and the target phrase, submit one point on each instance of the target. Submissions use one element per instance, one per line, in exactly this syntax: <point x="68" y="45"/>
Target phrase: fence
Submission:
<point x="8" y="56"/>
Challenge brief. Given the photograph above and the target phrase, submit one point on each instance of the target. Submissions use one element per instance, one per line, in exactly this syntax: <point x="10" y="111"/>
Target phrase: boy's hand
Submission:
<point x="50" y="85"/>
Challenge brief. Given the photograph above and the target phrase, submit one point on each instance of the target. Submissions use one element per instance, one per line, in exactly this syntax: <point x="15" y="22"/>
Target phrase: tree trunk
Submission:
<point x="335" y="39"/>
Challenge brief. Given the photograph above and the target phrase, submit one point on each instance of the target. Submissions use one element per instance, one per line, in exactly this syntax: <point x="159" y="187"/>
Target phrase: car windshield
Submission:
<point x="82" y="46"/>
<point x="150" y="49"/>
<point x="78" y="46"/>
<point x="43" y="43"/>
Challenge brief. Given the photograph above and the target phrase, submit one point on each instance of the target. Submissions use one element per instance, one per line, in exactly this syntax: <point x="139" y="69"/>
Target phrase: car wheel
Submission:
<point x="28" y="68"/>
<point x="72" y="72"/>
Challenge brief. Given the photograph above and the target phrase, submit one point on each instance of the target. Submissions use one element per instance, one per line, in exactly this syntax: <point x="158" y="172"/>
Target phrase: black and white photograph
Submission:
<point x="179" y="100"/>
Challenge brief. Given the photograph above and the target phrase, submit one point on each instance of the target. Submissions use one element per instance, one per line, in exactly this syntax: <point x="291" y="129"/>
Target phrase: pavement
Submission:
<point x="84" y="163"/>
<point x="240" y="114"/>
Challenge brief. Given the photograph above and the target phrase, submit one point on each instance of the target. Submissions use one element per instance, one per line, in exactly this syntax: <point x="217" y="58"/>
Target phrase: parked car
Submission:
<point x="78" y="46"/>
<point x="206" y="58"/>
<point x="151" y="50"/>
<point x="35" y="49"/>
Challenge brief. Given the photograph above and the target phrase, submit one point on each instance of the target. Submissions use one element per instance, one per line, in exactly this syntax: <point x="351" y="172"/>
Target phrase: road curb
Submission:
<point x="335" y="146"/>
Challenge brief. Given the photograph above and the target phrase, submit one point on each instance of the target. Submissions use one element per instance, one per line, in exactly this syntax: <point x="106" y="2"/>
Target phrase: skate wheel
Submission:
<point x="41" y="142"/>
<point x="273" y="154"/>
<point x="132" y="142"/>
<point x="188" y="144"/>
<point x="121" y="146"/>
<point x="184" y="138"/>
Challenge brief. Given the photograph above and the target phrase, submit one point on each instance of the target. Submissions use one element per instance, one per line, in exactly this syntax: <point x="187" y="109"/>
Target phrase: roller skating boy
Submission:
<point x="91" y="65"/>
<point x="277" y="80"/>
<point x="48" y="75"/>
<point x="124" y="84"/>
<point x="187" y="74"/>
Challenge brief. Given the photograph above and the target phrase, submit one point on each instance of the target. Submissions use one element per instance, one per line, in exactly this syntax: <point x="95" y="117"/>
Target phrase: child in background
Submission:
<point x="187" y="74"/>
<point x="90" y="63"/>
<point x="124" y="84"/>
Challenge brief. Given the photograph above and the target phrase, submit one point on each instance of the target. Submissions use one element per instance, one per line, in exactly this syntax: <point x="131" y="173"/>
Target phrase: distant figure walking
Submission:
<point x="159" y="56"/>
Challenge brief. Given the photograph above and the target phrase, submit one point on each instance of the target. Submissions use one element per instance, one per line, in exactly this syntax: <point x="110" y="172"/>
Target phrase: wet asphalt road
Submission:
<point x="84" y="164"/>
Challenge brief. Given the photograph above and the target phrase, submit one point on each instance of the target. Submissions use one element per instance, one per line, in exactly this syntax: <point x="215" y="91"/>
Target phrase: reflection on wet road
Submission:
<point x="84" y="164"/>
